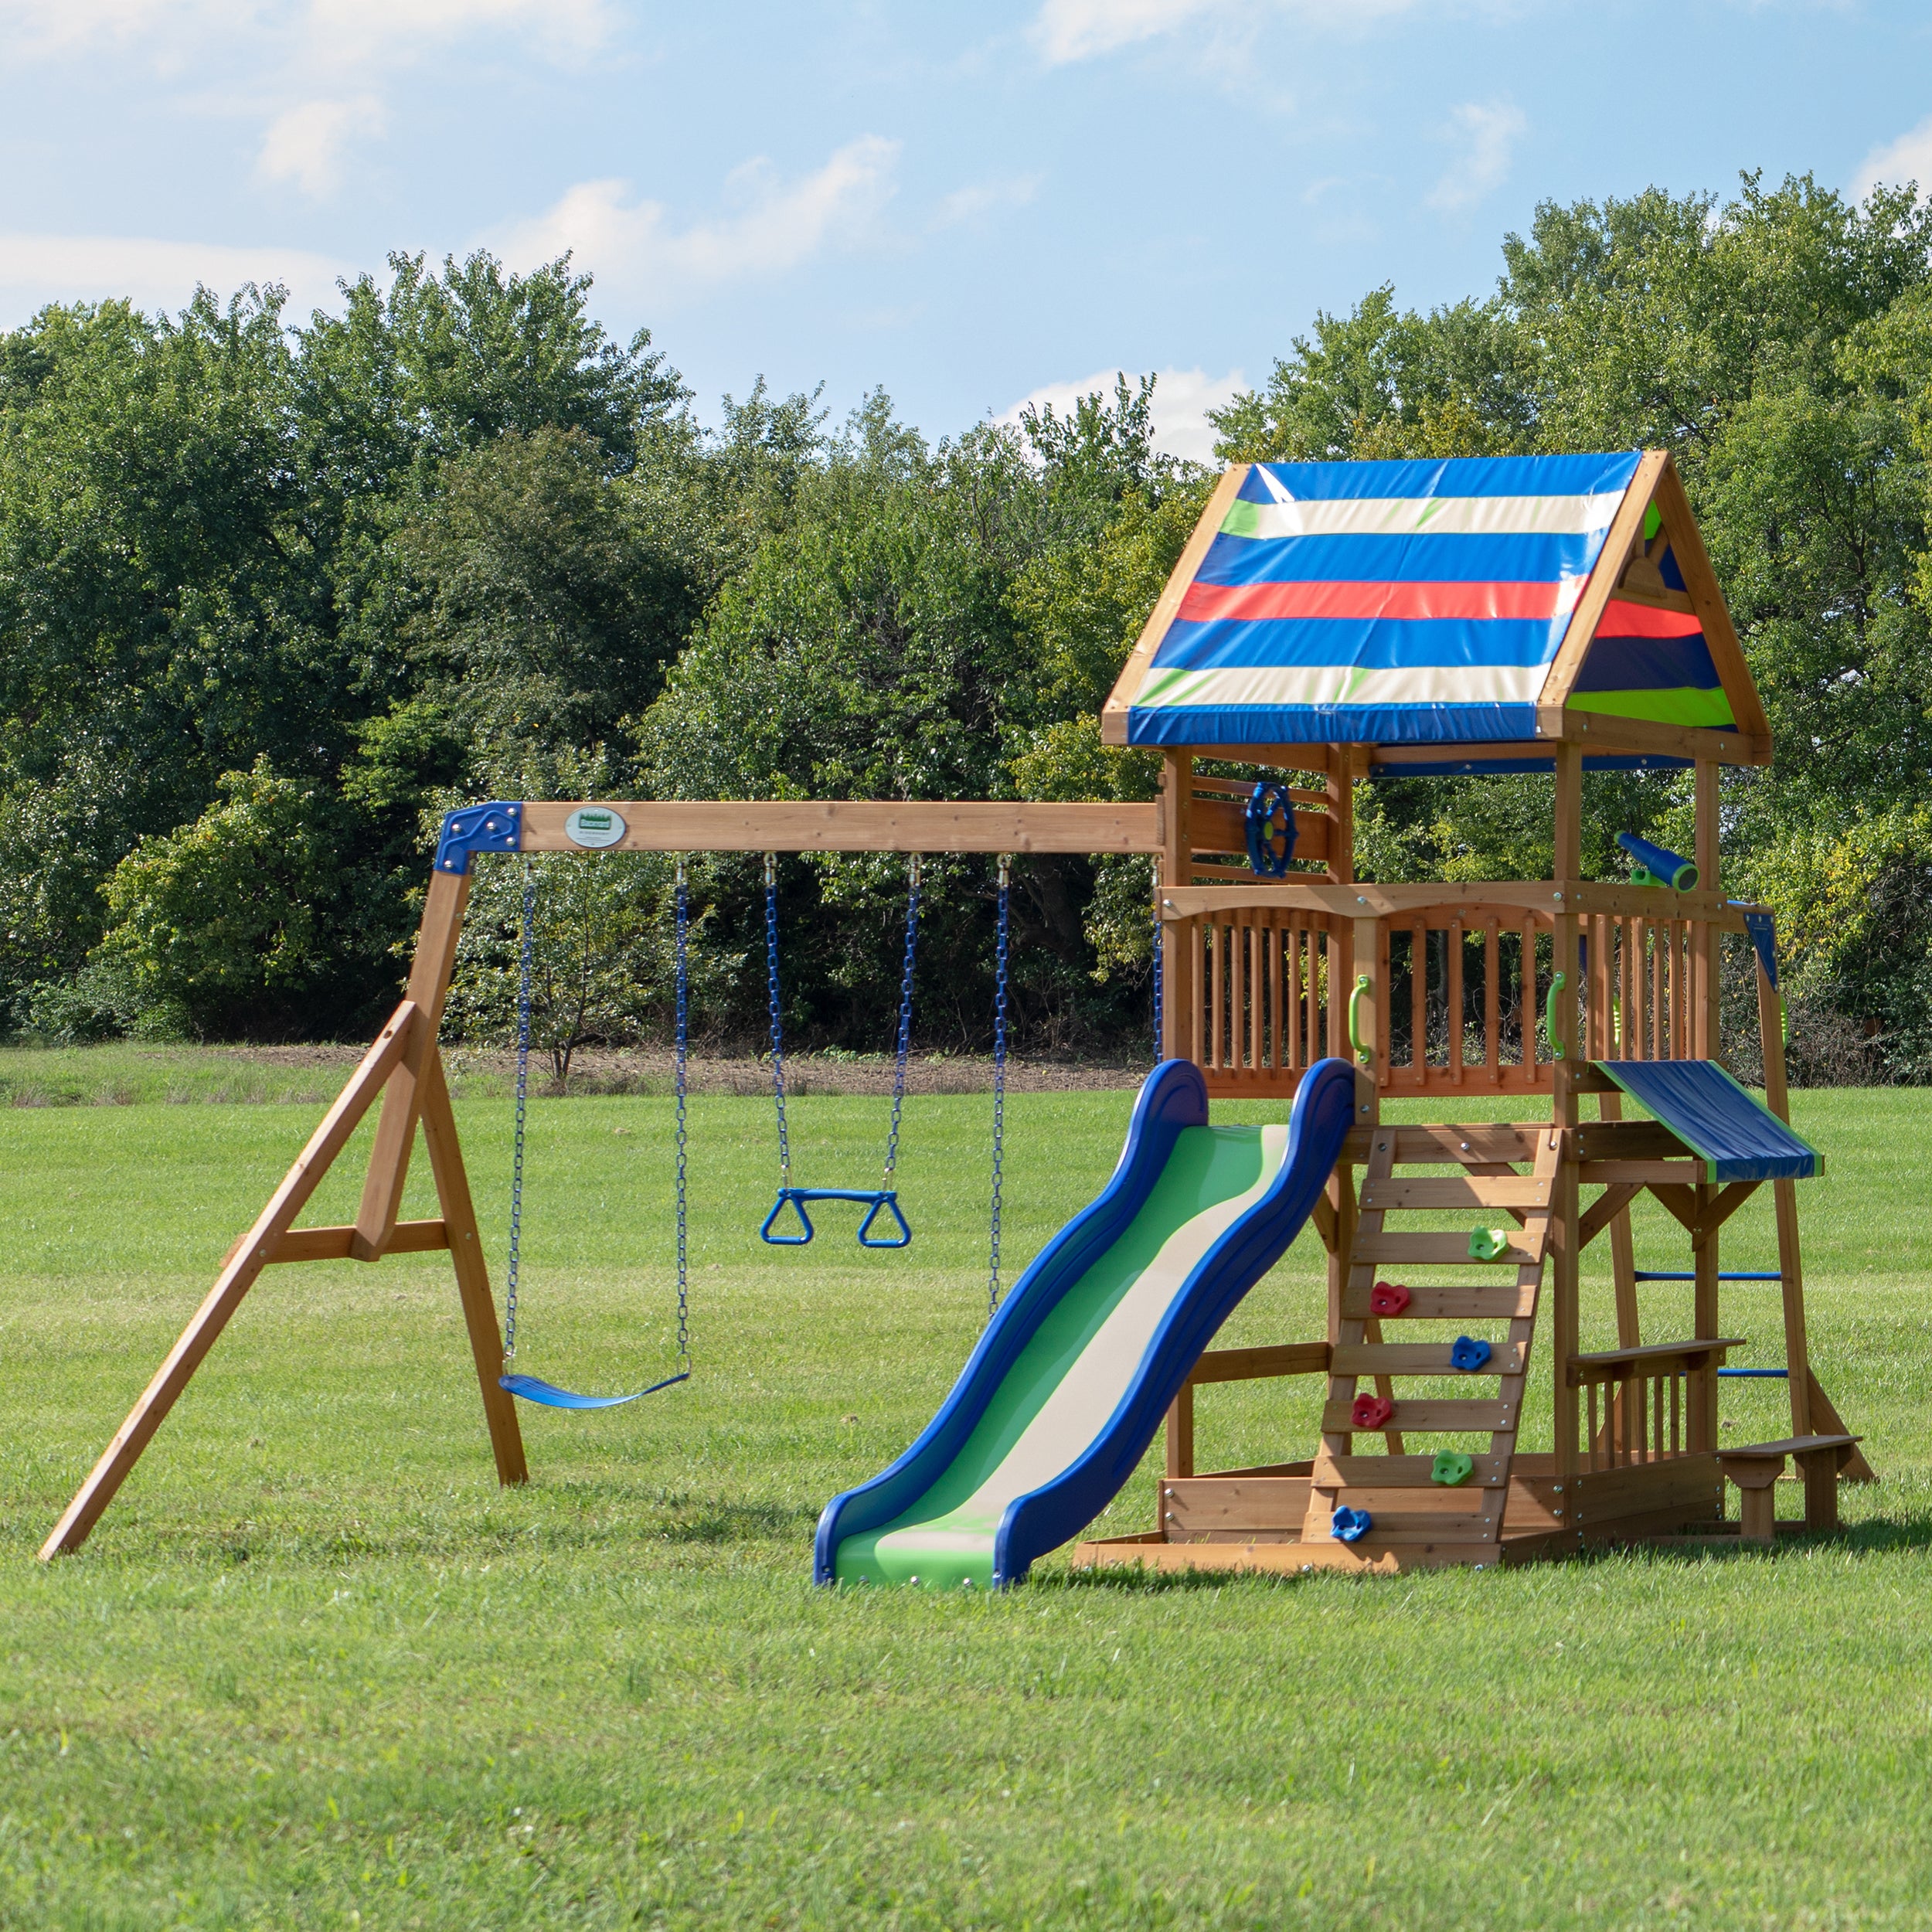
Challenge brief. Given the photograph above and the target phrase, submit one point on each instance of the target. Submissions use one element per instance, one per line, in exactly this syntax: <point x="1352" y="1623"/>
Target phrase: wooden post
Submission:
<point x="246" y="1261"/>
<point x="1708" y="982"/>
<point x="472" y="1276"/>
<point x="429" y="982"/>
<point x="1180" y="1000"/>
<point x="1180" y="1437"/>
<point x="1339" y="785"/>
<point x="1704" y="1306"/>
<point x="1791" y="1265"/>
<point x="1566" y="1284"/>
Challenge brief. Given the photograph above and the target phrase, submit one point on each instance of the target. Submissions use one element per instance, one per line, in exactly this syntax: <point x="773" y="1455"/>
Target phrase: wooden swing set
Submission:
<point x="1435" y="991"/>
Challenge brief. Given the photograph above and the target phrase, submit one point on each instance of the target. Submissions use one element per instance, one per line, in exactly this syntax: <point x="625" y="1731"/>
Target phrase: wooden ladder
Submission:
<point x="1410" y="1512"/>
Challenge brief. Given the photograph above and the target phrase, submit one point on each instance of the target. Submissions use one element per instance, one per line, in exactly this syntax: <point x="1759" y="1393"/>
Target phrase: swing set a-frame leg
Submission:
<point x="404" y="1066"/>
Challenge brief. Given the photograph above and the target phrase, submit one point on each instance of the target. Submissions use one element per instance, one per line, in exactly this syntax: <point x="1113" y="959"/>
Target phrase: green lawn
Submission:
<point x="315" y="1670"/>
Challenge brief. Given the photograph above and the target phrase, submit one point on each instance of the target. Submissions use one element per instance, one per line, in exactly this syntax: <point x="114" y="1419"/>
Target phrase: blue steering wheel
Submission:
<point x="1271" y="830"/>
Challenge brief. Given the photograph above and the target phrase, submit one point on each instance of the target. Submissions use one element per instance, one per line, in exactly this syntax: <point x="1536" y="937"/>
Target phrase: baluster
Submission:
<point x="1277" y="1056"/>
<point x="1455" y="1001"/>
<point x="1419" y="1002"/>
<point x="1491" y="1001"/>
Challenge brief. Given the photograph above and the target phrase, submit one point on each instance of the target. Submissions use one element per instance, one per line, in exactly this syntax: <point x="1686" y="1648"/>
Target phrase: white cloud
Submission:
<point x="305" y="145"/>
<point x="357" y="29"/>
<point x="1486" y="134"/>
<point x="1182" y="398"/>
<point x="335" y="29"/>
<point x="62" y="26"/>
<point x="778" y="225"/>
<point x="1069" y="30"/>
<point x="985" y="198"/>
<point x="1079" y="29"/>
<point x="1908" y="159"/>
<point x="37" y="268"/>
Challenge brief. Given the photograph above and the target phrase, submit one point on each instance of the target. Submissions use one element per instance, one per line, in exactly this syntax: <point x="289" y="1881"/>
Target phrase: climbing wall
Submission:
<point x="1444" y="1501"/>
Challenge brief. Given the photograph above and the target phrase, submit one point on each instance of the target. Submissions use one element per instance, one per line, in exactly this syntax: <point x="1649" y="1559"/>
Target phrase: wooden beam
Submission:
<point x="1603" y="1212"/>
<point x="1720" y="1209"/>
<point x="844" y="825"/>
<point x="233" y="1282"/>
<point x="338" y="1244"/>
<point x="1625" y="533"/>
<point x="429" y="984"/>
<point x="1180" y="1000"/>
<point x="1120" y="700"/>
<point x="1258" y="1365"/>
<point x="1606" y="736"/>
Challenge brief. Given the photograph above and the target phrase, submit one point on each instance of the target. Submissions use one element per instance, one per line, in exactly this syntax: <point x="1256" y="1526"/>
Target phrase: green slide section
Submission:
<point x="946" y="1538"/>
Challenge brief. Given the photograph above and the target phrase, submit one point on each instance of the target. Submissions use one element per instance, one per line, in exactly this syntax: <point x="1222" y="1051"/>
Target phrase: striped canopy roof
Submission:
<point x="1412" y="603"/>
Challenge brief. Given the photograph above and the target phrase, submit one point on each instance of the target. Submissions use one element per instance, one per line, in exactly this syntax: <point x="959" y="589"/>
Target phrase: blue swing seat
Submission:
<point x="531" y="1389"/>
<point x="882" y="1200"/>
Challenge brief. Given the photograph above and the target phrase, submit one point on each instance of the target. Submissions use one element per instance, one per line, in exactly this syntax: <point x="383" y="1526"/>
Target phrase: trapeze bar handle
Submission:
<point x="795" y="1198"/>
<point x="878" y="1201"/>
<point x="885" y="1201"/>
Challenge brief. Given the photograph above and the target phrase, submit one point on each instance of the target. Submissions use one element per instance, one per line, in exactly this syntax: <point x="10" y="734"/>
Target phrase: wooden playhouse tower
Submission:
<point x="1343" y="620"/>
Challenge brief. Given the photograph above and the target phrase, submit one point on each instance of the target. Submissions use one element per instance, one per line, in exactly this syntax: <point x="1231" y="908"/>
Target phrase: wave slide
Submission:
<point x="1063" y="1393"/>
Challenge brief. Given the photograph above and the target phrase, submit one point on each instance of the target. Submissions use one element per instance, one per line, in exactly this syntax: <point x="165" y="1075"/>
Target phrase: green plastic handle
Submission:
<point x="1363" y="1056"/>
<point x="1557" y="982"/>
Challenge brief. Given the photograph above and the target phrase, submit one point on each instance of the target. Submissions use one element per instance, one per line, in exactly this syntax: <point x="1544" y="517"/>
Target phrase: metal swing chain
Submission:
<point x="1158" y="962"/>
<point x="522" y="1102"/>
<point x="684" y="1004"/>
<point x="777" y="1030"/>
<point x="999" y="1079"/>
<point x="905" y="1013"/>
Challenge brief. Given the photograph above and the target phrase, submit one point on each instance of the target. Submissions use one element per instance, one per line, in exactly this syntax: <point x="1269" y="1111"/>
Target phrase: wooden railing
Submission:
<point x="1265" y="1008"/>
<point x="1646" y="1404"/>
<point x="1263" y="973"/>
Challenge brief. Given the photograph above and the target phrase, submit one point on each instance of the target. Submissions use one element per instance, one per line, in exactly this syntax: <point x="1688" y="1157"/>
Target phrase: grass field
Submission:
<point x="315" y="1670"/>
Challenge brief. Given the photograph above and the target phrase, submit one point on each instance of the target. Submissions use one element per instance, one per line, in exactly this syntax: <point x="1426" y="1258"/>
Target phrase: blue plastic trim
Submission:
<point x="532" y="1390"/>
<point x="883" y="1200"/>
<point x="1174" y="1096"/>
<point x="1759" y="1374"/>
<point x="496" y="827"/>
<point x="1764" y="931"/>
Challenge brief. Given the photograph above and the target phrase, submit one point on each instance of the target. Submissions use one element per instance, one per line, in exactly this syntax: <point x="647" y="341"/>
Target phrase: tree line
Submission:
<point x="274" y="593"/>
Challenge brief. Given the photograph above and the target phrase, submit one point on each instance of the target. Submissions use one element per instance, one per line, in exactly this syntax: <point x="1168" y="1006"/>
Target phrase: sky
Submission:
<point x="969" y="206"/>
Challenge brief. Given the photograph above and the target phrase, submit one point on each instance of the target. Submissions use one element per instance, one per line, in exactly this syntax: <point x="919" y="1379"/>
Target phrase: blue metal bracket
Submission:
<point x="882" y="1200"/>
<point x="498" y="827"/>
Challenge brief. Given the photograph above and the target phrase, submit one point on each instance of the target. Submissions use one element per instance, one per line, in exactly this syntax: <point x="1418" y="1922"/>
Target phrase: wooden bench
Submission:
<point x="1754" y="1466"/>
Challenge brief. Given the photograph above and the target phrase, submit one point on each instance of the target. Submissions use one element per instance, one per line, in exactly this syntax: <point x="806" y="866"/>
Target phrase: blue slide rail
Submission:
<point x="1174" y="1096"/>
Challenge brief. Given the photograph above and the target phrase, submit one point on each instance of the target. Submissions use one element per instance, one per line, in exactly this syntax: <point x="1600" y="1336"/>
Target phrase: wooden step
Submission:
<point x="1450" y="1191"/>
<point x="1446" y="1250"/>
<point x="1422" y="1359"/>
<point x="1445" y="1415"/>
<point x="1402" y="1472"/>
<point x="1450" y="1301"/>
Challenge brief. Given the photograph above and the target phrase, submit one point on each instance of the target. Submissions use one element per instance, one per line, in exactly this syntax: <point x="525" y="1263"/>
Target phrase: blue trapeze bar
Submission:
<point x="1684" y="1274"/>
<point x="1759" y="1374"/>
<point x="883" y="1201"/>
<point x="532" y="1390"/>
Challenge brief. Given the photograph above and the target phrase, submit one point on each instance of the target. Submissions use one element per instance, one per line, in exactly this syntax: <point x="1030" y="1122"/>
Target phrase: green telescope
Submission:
<point x="1656" y="867"/>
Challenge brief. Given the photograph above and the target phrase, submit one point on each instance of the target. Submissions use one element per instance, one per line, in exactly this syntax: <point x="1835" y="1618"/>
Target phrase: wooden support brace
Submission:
<point x="237" y="1277"/>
